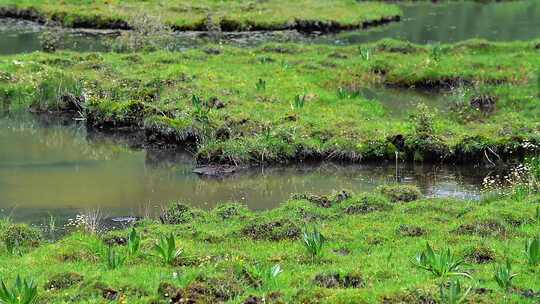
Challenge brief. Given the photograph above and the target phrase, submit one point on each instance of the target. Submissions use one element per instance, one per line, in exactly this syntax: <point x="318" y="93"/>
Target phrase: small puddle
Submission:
<point x="422" y="23"/>
<point x="60" y="169"/>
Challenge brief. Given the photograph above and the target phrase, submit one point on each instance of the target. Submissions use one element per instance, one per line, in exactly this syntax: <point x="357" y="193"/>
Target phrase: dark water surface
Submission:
<point x="422" y="23"/>
<point x="48" y="167"/>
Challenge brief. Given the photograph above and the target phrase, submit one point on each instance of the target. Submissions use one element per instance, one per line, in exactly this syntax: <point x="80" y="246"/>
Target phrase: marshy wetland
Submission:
<point x="269" y="152"/>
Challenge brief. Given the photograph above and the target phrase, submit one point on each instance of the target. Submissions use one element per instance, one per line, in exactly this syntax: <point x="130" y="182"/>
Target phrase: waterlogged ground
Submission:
<point x="276" y="103"/>
<point x="421" y="23"/>
<point x="47" y="167"/>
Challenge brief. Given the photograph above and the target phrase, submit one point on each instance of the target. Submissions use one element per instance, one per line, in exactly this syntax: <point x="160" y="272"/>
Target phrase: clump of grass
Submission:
<point x="400" y="193"/>
<point x="262" y="277"/>
<point x="271" y="276"/>
<point x="166" y="249"/>
<point x="440" y="264"/>
<point x="200" y="109"/>
<point x="22" y="292"/>
<point x="422" y="119"/>
<point x="453" y="292"/>
<point x="298" y="102"/>
<point x="176" y="213"/>
<point x="51" y="39"/>
<point x="436" y="52"/>
<point x="503" y="276"/>
<point x="313" y="242"/>
<point x="88" y="221"/>
<point x="344" y="93"/>
<point x="17" y="237"/>
<point x="261" y="85"/>
<point x="365" y="53"/>
<point x="133" y="242"/>
<point x="532" y="251"/>
<point x="114" y="259"/>
<point x="148" y="33"/>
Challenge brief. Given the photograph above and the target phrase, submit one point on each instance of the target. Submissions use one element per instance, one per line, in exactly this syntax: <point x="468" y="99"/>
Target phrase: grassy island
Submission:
<point x="308" y="15"/>
<point x="287" y="102"/>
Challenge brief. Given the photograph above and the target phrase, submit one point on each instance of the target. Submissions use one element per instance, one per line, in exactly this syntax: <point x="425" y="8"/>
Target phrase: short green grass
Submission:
<point x="230" y="254"/>
<point x="232" y="15"/>
<point x="309" y="105"/>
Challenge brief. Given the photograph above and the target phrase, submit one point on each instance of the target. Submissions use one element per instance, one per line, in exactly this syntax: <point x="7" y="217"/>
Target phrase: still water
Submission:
<point x="422" y="23"/>
<point x="61" y="169"/>
<point x="454" y="21"/>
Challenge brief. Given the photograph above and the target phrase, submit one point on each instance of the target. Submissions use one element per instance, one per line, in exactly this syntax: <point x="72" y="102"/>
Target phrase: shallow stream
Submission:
<point x="50" y="167"/>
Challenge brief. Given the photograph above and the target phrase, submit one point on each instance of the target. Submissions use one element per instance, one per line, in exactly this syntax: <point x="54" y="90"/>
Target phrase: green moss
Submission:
<point x="177" y="213"/>
<point x="400" y="193"/>
<point x="231" y="211"/>
<point x="271" y="229"/>
<point x="63" y="281"/>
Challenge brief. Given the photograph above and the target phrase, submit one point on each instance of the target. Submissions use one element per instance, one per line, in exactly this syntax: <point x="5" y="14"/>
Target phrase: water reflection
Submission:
<point x="455" y="21"/>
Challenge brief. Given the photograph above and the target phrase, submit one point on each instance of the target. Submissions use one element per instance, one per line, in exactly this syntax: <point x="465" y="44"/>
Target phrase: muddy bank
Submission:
<point x="304" y="26"/>
<point x="406" y="147"/>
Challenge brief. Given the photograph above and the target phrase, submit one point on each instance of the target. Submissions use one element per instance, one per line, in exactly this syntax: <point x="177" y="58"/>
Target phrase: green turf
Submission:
<point x="370" y="240"/>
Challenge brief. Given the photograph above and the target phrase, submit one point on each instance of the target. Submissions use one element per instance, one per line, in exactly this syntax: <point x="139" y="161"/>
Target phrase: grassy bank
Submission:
<point x="233" y="255"/>
<point x="198" y="15"/>
<point x="283" y="102"/>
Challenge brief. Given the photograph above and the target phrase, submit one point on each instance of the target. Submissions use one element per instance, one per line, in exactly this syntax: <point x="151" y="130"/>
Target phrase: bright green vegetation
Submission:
<point x="284" y="102"/>
<point x="344" y="248"/>
<point x="196" y="15"/>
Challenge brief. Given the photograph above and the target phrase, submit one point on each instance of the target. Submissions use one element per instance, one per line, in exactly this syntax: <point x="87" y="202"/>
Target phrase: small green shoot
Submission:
<point x="166" y="249"/>
<point x="261" y="85"/>
<point x="23" y="292"/>
<point x="365" y="53"/>
<point x="200" y="111"/>
<point x="532" y="251"/>
<point x="114" y="259"/>
<point x="133" y="242"/>
<point x="440" y="264"/>
<point x="313" y="242"/>
<point x="436" y="52"/>
<point x="504" y="276"/>
<point x="271" y="276"/>
<point x="344" y="93"/>
<point x="299" y="102"/>
<point x="453" y="293"/>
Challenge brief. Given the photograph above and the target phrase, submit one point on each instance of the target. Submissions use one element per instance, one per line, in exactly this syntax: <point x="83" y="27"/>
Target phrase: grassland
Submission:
<point x="282" y="102"/>
<point x="227" y="254"/>
<point x="195" y="15"/>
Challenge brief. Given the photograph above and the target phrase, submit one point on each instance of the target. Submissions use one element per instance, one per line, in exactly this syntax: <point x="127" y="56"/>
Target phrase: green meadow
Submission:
<point x="340" y="248"/>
